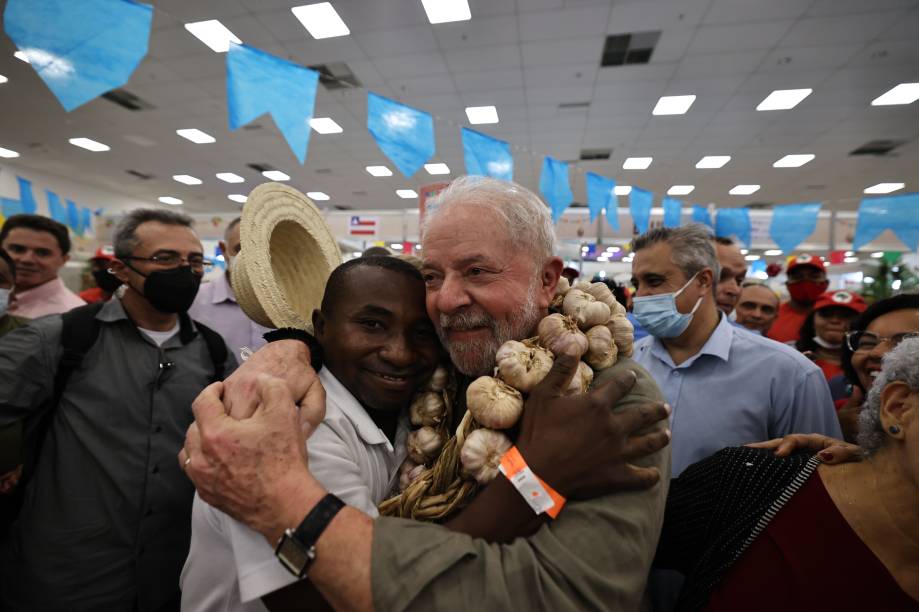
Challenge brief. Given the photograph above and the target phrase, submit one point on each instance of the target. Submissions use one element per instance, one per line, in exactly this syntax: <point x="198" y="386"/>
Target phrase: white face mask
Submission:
<point x="4" y="301"/>
<point x="827" y="345"/>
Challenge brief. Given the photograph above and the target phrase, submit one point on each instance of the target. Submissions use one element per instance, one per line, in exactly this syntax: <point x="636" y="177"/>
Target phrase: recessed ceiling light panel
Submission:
<point x="435" y="169"/>
<point x="904" y="93"/>
<point x="379" y="171"/>
<point x="713" y="161"/>
<point x="744" y="189"/>
<point x="445" y="11"/>
<point x="213" y="34"/>
<point x="325" y="125"/>
<point x="673" y="105"/>
<point x="681" y="190"/>
<point x="89" y="144"/>
<point x="321" y="20"/>
<point x="882" y="188"/>
<point x="637" y="163"/>
<point x="783" y="99"/>
<point x="275" y="175"/>
<point x="229" y="177"/>
<point x="186" y="179"/>
<point x="196" y="136"/>
<point x="793" y="161"/>
<point x="482" y="114"/>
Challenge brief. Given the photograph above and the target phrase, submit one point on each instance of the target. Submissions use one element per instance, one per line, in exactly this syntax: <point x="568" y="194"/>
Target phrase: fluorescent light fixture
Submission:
<point x="584" y="249"/>
<point x="793" y="161"/>
<point x="673" y="105"/>
<point x="321" y="20"/>
<point x="851" y="260"/>
<point x="325" y="125"/>
<point x="213" y="34"/>
<point x="89" y="144"/>
<point x="637" y="163"/>
<point x="437" y="168"/>
<point x="170" y="200"/>
<point x="850" y="253"/>
<point x="482" y="114"/>
<point x="751" y="257"/>
<point x="319" y="196"/>
<point x="186" y="179"/>
<point x="3" y="79"/>
<point x="229" y="177"/>
<point x="602" y="258"/>
<point x="356" y="253"/>
<point x="681" y="190"/>
<point x="904" y="93"/>
<point x="22" y="57"/>
<point x="275" y="175"/>
<point x="237" y="197"/>
<point x="713" y="161"/>
<point x="622" y="190"/>
<point x="395" y="246"/>
<point x="196" y="136"/>
<point x="783" y="99"/>
<point x="445" y="11"/>
<point x="406" y="194"/>
<point x="744" y="189"/>
<point x="885" y="188"/>
<point x="877" y="254"/>
<point x="379" y="171"/>
<point x="773" y="252"/>
<point x="8" y="153"/>
<point x="744" y="251"/>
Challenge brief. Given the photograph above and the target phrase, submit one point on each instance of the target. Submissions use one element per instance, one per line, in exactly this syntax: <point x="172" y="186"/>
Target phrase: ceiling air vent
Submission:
<point x="252" y="126"/>
<point x="341" y="207"/>
<point x="336" y="75"/>
<point x="359" y="192"/>
<point x="634" y="48"/>
<point x="760" y="205"/>
<point x="140" y="175"/>
<point x="261" y="167"/>
<point x="595" y="154"/>
<point x="877" y="147"/>
<point x="125" y="99"/>
<point x="573" y="106"/>
<point x="323" y="171"/>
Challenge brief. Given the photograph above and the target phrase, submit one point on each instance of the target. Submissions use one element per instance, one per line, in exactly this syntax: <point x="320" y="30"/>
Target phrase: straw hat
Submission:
<point x="287" y="254"/>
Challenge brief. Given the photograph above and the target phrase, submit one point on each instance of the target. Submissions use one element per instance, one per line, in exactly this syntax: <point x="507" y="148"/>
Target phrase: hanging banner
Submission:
<point x="733" y="222"/>
<point x="640" y="202"/>
<point x="56" y="210"/>
<point x="700" y="215"/>
<point x="792" y="223"/>
<point x="26" y="199"/>
<point x="487" y="156"/>
<point x="86" y="221"/>
<point x="673" y="211"/>
<point x="899" y="214"/>
<point x="259" y="83"/>
<point x="80" y="49"/>
<point x="554" y="186"/>
<point x="10" y="207"/>
<point x="404" y="134"/>
<point x="73" y="218"/>
<point x="363" y="226"/>
<point x="600" y="196"/>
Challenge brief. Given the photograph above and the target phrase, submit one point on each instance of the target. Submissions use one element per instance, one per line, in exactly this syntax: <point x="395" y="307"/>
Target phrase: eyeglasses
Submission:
<point x="170" y="259"/>
<point x="867" y="341"/>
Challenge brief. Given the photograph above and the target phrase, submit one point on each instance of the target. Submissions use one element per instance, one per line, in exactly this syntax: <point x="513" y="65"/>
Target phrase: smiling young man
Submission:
<point x="377" y="347"/>
<point x="40" y="247"/>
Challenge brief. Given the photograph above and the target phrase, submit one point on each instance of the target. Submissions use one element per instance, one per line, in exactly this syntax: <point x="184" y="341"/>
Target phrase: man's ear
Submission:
<point x="551" y="272"/>
<point x="318" y="325"/>
<point x="706" y="278"/>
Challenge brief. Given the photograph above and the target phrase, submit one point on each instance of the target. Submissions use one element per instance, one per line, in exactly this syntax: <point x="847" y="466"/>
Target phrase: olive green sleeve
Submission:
<point x="595" y="555"/>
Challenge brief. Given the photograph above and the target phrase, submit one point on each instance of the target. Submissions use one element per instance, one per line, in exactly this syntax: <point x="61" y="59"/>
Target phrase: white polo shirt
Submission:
<point x="230" y="567"/>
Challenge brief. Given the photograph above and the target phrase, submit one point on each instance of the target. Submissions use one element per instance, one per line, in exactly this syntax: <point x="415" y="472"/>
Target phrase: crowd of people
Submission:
<point x="159" y="450"/>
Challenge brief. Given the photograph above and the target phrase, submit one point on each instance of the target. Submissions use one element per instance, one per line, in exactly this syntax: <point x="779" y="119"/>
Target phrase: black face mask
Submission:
<point x="171" y="290"/>
<point x="105" y="281"/>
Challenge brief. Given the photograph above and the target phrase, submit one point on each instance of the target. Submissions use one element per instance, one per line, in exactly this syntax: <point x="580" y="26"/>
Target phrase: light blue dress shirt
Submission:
<point x="739" y="388"/>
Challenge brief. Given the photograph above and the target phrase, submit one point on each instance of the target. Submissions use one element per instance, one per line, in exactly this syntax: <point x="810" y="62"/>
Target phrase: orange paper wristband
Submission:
<point x="513" y="463"/>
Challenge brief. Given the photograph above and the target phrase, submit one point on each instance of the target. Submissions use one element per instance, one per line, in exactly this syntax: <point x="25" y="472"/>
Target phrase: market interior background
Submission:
<point x="577" y="80"/>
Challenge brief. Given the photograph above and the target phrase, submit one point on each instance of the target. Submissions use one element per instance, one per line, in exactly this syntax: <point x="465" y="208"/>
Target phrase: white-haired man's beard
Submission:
<point x="477" y="357"/>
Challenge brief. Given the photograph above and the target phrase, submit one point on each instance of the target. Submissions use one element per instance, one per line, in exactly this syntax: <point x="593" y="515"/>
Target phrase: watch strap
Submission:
<point x="309" y="530"/>
<point x="292" y="333"/>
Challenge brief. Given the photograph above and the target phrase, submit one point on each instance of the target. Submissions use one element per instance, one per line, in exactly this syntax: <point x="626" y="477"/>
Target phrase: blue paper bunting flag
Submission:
<point x="600" y="196"/>
<point x="26" y="198"/>
<point x="700" y="215"/>
<point x="640" y="202"/>
<point x="73" y="218"/>
<point x="487" y="156"/>
<point x="56" y="210"/>
<point x="86" y="220"/>
<point x="258" y="83"/>
<point x="80" y="49"/>
<point x="404" y="134"/>
<point x="673" y="211"/>
<point x="734" y="222"/>
<point x="899" y="213"/>
<point x="792" y="223"/>
<point x="554" y="186"/>
<point x="10" y="207"/>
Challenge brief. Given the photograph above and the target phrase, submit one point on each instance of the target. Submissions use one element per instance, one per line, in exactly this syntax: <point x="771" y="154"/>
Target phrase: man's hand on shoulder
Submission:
<point x="583" y="448"/>
<point x="288" y="360"/>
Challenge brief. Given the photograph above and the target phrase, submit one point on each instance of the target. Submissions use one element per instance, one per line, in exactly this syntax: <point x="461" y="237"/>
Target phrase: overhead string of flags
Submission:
<point x="81" y="50"/>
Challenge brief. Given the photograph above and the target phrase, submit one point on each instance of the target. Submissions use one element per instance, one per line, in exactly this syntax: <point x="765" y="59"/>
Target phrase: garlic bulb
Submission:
<point x="563" y="286"/>
<point x="427" y="408"/>
<point x="601" y="350"/>
<point x="521" y="366"/>
<point x="439" y="379"/>
<point x="560" y="334"/>
<point x="603" y="294"/>
<point x="408" y="472"/>
<point x="580" y="383"/>
<point x="585" y="309"/>
<point x="622" y="334"/>
<point x="424" y="444"/>
<point x="481" y="454"/>
<point x="493" y="403"/>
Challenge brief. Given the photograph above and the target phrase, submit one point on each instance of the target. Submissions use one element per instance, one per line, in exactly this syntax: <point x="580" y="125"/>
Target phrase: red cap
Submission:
<point x="844" y="299"/>
<point x="106" y="252"/>
<point x="806" y="260"/>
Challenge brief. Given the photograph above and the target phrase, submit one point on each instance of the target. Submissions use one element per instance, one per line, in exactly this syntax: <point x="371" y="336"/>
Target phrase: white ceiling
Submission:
<point x="525" y="57"/>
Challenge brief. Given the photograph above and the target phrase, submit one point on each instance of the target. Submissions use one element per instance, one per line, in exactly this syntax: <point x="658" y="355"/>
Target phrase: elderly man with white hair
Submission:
<point x="490" y="274"/>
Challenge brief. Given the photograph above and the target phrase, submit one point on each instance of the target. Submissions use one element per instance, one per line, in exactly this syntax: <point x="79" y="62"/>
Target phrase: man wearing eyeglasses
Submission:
<point x="105" y="519"/>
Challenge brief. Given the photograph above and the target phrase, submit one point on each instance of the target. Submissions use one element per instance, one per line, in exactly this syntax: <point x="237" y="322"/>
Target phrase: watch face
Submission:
<point x="293" y="555"/>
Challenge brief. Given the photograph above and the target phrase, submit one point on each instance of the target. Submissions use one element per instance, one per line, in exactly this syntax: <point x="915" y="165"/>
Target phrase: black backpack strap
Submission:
<point x="78" y="334"/>
<point x="216" y="347"/>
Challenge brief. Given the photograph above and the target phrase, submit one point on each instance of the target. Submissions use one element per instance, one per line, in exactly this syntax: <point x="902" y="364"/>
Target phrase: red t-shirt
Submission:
<point x="93" y="295"/>
<point x="830" y="370"/>
<point x="787" y="324"/>
<point x="808" y="558"/>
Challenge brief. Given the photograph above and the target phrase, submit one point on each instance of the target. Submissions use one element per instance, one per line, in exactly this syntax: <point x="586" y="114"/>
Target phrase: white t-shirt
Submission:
<point x="230" y="567"/>
<point x="160" y="337"/>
